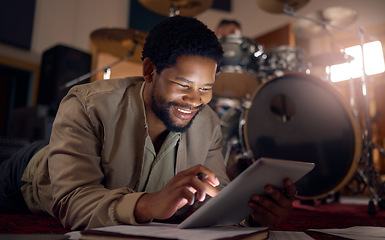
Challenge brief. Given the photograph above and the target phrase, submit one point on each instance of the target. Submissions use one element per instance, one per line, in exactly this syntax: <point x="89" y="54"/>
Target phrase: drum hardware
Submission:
<point x="169" y="8"/>
<point x="246" y="153"/>
<point x="122" y="43"/>
<point x="173" y="11"/>
<point x="367" y="178"/>
<point x="230" y="144"/>
<point x="368" y="174"/>
<point x="328" y="59"/>
<point x="228" y="123"/>
<point x="107" y="73"/>
<point x="92" y="73"/>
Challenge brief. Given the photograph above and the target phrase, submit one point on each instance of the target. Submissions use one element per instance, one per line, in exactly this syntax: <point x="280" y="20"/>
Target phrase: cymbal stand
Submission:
<point x="372" y="178"/>
<point x="236" y="140"/>
<point x="236" y="143"/>
<point x="173" y="11"/>
<point x="368" y="175"/>
<point x="106" y="69"/>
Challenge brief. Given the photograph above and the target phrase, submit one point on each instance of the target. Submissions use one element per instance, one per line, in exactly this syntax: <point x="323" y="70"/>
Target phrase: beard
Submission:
<point x="161" y="109"/>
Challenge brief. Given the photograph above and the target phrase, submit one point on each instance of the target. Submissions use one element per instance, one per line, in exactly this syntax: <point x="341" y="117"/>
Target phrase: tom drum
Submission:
<point x="239" y="68"/>
<point x="280" y="60"/>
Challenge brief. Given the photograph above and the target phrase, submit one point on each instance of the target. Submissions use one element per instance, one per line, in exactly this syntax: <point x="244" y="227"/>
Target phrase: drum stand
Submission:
<point x="366" y="175"/>
<point x="235" y="144"/>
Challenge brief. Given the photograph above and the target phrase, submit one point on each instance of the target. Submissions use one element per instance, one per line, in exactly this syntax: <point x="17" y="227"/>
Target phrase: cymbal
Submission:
<point x="119" y="41"/>
<point x="329" y="59"/>
<point x="336" y="16"/>
<point x="186" y="8"/>
<point x="277" y="6"/>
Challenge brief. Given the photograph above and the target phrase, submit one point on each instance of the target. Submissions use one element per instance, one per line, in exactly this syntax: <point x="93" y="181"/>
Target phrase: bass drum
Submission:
<point x="238" y="69"/>
<point x="300" y="117"/>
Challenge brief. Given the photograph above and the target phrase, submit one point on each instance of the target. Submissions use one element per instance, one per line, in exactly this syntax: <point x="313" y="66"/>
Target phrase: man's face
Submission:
<point x="181" y="91"/>
<point x="227" y="30"/>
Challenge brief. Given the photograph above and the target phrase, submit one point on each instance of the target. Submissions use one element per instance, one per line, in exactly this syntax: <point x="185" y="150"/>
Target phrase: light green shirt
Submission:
<point x="158" y="169"/>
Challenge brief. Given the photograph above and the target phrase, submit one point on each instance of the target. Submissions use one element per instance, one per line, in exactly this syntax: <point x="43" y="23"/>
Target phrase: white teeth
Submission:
<point x="183" y="111"/>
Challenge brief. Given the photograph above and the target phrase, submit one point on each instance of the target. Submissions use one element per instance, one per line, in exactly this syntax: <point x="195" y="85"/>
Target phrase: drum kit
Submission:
<point x="271" y="106"/>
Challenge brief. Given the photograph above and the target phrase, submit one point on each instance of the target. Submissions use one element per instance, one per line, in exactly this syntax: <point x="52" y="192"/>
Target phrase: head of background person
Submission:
<point x="180" y="59"/>
<point x="227" y="27"/>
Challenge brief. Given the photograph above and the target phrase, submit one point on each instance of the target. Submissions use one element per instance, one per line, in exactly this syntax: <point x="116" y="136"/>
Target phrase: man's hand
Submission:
<point x="275" y="206"/>
<point x="178" y="192"/>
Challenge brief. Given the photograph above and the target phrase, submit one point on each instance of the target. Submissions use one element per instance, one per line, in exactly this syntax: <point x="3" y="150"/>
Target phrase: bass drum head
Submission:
<point x="299" y="117"/>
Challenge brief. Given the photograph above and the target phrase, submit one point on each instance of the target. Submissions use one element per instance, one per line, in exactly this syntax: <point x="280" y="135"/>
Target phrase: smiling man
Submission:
<point x="178" y="94"/>
<point x="129" y="151"/>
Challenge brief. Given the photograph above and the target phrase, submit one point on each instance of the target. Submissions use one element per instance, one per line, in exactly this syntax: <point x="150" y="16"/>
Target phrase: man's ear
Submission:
<point x="148" y="68"/>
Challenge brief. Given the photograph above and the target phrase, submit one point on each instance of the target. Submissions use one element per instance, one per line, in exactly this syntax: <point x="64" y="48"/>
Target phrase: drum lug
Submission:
<point x="248" y="154"/>
<point x="245" y="46"/>
<point x="246" y="104"/>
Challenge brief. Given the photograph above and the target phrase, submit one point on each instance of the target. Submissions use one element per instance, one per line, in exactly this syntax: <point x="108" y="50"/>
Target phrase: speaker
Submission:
<point x="60" y="64"/>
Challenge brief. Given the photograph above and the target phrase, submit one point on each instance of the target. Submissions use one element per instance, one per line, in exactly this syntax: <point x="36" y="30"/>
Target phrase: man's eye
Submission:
<point x="206" y="89"/>
<point x="182" y="85"/>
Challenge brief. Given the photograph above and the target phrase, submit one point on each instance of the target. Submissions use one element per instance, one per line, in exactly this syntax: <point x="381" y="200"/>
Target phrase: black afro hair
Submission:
<point x="177" y="36"/>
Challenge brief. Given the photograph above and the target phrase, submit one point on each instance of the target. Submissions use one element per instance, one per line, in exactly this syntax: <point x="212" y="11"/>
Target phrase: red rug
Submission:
<point x="330" y="215"/>
<point x="304" y="217"/>
<point x="26" y="224"/>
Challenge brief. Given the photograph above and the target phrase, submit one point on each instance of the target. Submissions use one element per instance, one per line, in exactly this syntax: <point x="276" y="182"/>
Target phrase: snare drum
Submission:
<point x="302" y="118"/>
<point x="239" y="67"/>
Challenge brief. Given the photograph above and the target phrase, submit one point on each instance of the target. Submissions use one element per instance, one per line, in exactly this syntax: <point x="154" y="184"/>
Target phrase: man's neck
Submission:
<point x="158" y="139"/>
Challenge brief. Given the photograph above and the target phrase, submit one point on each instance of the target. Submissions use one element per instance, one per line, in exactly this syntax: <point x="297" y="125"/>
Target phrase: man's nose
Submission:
<point x="193" y="98"/>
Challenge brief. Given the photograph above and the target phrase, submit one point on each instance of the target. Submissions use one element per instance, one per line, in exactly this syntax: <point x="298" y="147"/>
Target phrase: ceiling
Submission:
<point x="256" y="21"/>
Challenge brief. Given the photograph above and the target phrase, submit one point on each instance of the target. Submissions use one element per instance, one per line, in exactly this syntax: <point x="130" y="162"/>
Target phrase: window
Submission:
<point x="374" y="62"/>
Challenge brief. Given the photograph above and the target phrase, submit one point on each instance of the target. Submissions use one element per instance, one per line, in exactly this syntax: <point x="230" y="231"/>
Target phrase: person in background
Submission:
<point x="129" y="151"/>
<point x="227" y="27"/>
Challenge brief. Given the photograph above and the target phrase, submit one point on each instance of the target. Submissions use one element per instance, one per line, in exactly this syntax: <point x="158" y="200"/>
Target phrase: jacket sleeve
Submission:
<point x="80" y="199"/>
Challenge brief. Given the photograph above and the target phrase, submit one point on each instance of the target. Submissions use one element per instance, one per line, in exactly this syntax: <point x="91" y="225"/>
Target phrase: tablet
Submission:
<point x="230" y="206"/>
